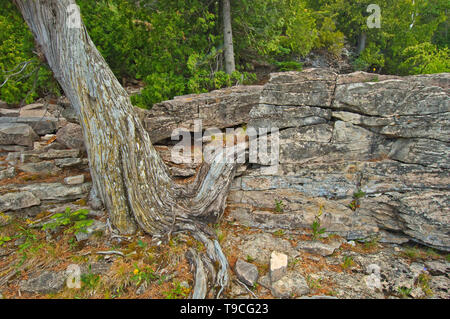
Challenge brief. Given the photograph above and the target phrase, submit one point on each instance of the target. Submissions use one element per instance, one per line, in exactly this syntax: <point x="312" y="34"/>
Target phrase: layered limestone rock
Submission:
<point x="221" y="108"/>
<point x="372" y="150"/>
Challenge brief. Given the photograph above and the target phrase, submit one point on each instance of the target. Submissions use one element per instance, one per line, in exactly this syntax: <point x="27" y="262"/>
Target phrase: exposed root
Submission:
<point x="211" y="267"/>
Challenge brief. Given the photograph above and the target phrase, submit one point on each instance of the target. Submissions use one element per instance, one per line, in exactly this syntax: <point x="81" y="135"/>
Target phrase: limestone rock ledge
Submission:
<point x="374" y="150"/>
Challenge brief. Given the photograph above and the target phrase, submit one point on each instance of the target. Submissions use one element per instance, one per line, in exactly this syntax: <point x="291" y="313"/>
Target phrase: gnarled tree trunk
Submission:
<point x="128" y="173"/>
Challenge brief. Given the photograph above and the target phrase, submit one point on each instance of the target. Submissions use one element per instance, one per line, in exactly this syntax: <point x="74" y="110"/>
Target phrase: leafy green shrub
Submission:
<point x="289" y="66"/>
<point x="371" y="58"/>
<point x="177" y="292"/>
<point x="317" y="229"/>
<point x="23" y="77"/>
<point x="77" y="221"/>
<point x="328" y="36"/>
<point x="425" y="58"/>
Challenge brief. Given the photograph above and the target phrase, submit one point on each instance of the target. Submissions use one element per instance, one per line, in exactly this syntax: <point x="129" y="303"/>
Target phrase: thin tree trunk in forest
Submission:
<point x="128" y="173"/>
<point x="362" y="42"/>
<point x="228" y="38"/>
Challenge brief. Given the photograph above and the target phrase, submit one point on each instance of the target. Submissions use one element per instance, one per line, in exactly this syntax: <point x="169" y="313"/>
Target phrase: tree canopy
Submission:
<point x="176" y="47"/>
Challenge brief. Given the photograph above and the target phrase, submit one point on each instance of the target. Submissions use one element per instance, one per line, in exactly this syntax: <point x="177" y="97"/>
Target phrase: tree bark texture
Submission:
<point x="128" y="173"/>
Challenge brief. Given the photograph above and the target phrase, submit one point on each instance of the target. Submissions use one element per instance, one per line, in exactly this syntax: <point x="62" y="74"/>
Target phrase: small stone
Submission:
<point x="184" y="284"/>
<point x="38" y="145"/>
<point x="373" y="269"/>
<point x="71" y="136"/>
<point x="278" y="265"/>
<point x="373" y="282"/>
<point x="437" y="268"/>
<point x="90" y="230"/>
<point x="246" y="272"/>
<point x="7" y="173"/>
<point x="351" y="243"/>
<point x="142" y="288"/>
<point x="74" y="180"/>
<point x="318" y="248"/>
<point x="417" y="292"/>
<point x="293" y="284"/>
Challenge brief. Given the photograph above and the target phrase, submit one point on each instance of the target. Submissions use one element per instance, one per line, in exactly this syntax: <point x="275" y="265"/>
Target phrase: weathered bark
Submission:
<point x="228" y="38"/>
<point x="129" y="175"/>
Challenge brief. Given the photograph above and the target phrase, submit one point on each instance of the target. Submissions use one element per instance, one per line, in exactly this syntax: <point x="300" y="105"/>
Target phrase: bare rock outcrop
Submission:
<point x="372" y="150"/>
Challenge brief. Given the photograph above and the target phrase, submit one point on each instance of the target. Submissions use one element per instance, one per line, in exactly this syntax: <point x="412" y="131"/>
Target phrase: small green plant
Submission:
<point x="424" y="283"/>
<point x="279" y="233"/>
<point x="404" y="292"/>
<point x="294" y="262"/>
<point x="289" y="66"/>
<point x="143" y="275"/>
<point x="359" y="194"/>
<point x="250" y="259"/>
<point x="4" y="240"/>
<point x="142" y="244"/>
<point x="371" y="243"/>
<point x="77" y="221"/>
<point x="177" y="292"/>
<point x="279" y="206"/>
<point x="28" y="239"/>
<point x="347" y="262"/>
<point x="411" y="253"/>
<point x="89" y="280"/>
<point x="356" y="197"/>
<point x="317" y="230"/>
<point x="313" y="283"/>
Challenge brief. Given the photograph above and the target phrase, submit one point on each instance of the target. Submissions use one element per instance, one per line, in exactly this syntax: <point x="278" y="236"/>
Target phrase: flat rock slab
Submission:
<point x="278" y="265"/>
<point x="9" y="112"/>
<point x="53" y="191"/>
<point x="18" y="200"/>
<point x="68" y="162"/>
<point x="16" y="134"/>
<point x="54" y="154"/>
<point x="47" y="282"/>
<point x="41" y="125"/>
<point x="318" y="248"/>
<point x="293" y="284"/>
<point x="246" y="272"/>
<point x="45" y="167"/>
